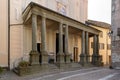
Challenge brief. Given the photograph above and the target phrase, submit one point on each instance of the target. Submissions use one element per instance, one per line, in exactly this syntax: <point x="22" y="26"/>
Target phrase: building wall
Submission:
<point x="115" y="37"/>
<point x="105" y="39"/>
<point x="76" y="9"/>
<point x="3" y="33"/>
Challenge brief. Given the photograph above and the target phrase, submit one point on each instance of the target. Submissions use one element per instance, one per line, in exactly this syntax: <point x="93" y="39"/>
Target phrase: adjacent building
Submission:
<point x="115" y="34"/>
<point x="104" y="40"/>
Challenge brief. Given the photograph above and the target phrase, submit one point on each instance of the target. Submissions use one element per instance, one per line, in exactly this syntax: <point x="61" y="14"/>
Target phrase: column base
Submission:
<point x="67" y="58"/>
<point x="44" y="57"/>
<point x="60" y="58"/>
<point x="34" y="57"/>
<point x="88" y="58"/>
<point x="82" y="59"/>
<point x="94" y="59"/>
<point x="97" y="60"/>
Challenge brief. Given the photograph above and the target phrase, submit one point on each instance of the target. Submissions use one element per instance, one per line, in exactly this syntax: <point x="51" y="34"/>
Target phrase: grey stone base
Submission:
<point x="67" y="56"/>
<point x="88" y="65"/>
<point x="76" y="65"/>
<point x="34" y="57"/>
<point x="47" y="68"/>
<point x="44" y="68"/>
<point x="82" y="59"/>
<point x="97" y="60"/>
<point x="60" y="58"/>
<point x="87" y="58"/>
<point x="44" y="56"/>
<point x="63" y="65"/>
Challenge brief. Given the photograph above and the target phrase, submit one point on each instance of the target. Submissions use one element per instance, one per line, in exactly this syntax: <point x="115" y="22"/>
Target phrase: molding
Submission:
<point x="42" y="11"/>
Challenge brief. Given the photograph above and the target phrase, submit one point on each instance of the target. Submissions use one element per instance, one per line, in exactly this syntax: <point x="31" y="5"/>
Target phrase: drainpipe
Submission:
<point x="8" y="34"/>
<point x="107" y="48"/>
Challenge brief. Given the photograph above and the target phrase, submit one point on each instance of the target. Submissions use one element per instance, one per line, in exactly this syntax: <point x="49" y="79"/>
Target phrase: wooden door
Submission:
<point x="75" y="54"/>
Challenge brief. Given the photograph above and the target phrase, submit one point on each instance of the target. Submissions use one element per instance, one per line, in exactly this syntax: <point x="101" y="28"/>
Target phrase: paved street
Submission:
<point x="82" y="74"/>
<point x="85" y="74"/>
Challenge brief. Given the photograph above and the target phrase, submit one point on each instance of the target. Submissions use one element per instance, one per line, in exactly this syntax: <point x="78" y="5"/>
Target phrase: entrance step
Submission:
<point x="88" y="65"/>
<point x="53" y="67"/>
<point x="76" y="65"/>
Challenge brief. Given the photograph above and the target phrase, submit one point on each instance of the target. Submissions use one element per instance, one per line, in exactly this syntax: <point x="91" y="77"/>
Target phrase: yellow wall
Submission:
<point x="16" y="44"/>
<point x="106" y="40"/>
<point x="3" y="33"/>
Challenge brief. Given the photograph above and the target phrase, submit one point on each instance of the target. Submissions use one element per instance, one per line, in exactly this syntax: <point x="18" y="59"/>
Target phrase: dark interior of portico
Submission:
<point x="57" y="44"/>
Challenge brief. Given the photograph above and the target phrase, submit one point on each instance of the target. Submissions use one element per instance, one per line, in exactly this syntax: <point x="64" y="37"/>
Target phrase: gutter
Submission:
<point x="8" y="34"/>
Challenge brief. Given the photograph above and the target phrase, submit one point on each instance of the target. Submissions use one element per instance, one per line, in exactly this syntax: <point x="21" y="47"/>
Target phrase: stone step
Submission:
<point x="15" y="70"/>
<point x="52" y="66"/>
<point x="76" y="65"/>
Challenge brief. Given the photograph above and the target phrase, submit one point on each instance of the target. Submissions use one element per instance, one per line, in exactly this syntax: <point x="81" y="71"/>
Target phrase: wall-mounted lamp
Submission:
<point x="110" y="33"/>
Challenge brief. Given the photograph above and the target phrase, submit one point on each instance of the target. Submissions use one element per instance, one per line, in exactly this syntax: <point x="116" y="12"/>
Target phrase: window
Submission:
<point x="118" y="31"/>
<point x="91" y="44"/>
<point x="101" y="46"/>
<point x="108" y="46"/>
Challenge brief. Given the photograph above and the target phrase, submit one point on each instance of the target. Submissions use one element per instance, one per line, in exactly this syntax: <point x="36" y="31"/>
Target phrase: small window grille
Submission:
<point x="118" y="31"/>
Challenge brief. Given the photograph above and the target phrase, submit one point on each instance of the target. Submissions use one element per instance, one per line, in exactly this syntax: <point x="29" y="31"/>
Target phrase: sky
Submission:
<point x="99" y="10"/>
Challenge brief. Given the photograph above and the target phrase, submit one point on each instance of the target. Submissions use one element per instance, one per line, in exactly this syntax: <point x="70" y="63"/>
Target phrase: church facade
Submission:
<point x="41" y="31"/>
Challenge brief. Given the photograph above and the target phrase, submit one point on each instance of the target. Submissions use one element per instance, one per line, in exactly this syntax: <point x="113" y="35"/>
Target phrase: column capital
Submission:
<point x="61" y="21"/>
<point x="65" y="24"/>
<point x="44" y="15"/>
<point x="33" y="14"/>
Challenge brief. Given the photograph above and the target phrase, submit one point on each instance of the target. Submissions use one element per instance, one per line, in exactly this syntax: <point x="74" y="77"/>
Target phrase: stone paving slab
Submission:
<point x="10" y="75"/>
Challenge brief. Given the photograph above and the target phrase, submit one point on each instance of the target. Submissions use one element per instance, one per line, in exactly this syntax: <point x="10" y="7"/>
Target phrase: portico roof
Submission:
<point x="34" y="8"/>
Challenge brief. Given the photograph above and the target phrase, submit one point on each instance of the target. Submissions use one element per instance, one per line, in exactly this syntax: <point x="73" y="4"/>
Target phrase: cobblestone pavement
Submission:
<point x="79" y="74"/>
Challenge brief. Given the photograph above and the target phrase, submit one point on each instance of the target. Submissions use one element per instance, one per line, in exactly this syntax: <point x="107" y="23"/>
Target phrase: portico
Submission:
<point x="44" y="19"/>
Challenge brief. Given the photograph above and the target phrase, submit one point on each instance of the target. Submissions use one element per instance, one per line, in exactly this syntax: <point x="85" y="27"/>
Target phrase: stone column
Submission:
<point x="67" y="55"/>
<point x="44" y="53"/>
<point x="87" y="47"/>
<point x="99" y="57"/>
<point x="34" y="32"/>
<point x="34" y="55"/>
<point x="60" y="55"/>
<point x="82" y="55"/>
<point x="95" y="50"/>
<point x="97" y="44"/>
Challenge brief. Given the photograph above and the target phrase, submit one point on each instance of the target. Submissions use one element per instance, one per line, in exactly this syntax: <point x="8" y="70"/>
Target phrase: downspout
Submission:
<point x="8" y="34"/>
<point x="107" y="47"/>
